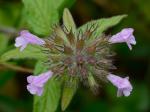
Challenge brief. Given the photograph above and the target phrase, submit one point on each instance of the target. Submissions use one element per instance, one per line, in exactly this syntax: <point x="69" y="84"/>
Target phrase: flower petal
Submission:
<point x="27" y="38"/>
<point x="23" y="47"/>
<point x="126" y="92"/>
<point x="20" y="41"/>
<point x="42" y="78"/>
<point x="115" y="80"/>
<point x="36" y="83"/>
<point x="129" y="45"/>
<point x="132" y="40"/>
<point x="32" y="39"/>
<point x="123" y="84"/>
<point x="30" y="79"/>
<point x="126" y="35"/>
<point x="34" y="90"/>
<point x="116" y="39"/>
<point x="39" y="91"/>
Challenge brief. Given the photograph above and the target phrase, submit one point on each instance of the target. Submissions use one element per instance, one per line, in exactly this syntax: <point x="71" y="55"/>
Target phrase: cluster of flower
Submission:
<point x="36" y="83"/>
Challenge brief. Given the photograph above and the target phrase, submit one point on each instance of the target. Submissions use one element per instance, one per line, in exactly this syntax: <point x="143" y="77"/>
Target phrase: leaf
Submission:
<point x="41" y="15"/>
<point x="103" y="24"/>
<point x="61" y="4"/>
<point x="68" y="93"/>
<point x="3" y="43"/>
<point x="39" y="68"/>
<point x="60" y="33"/>
<point x="48" y="102"/>
<point x="31" y="52"/>
<point x="68" y="20"/>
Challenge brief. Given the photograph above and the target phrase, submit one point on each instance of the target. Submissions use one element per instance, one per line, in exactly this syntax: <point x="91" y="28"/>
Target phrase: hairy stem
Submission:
<point x="8" y="30"/>
<point x="15" y="67"/>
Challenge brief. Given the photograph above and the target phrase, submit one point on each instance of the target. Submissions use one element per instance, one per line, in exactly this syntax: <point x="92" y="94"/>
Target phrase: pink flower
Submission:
<point x="123" y="84"/>
<point x="126" y="35"/>
<point x="36" y="83"/>
<point x="27" y="38"/>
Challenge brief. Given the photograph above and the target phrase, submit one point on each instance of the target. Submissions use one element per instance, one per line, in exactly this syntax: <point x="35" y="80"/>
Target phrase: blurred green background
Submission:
<point x="136" y="63"/>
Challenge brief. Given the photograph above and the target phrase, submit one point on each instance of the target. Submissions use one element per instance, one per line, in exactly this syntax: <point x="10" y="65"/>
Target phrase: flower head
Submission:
<point x="126" y="35"/>
<point x="27" y="38"/>
<point x="79" y="56"/>
<point x="36" y="83"/>
<point x="123" y="84"/>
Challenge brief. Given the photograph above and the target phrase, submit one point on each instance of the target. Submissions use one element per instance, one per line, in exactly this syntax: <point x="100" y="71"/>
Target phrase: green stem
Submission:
<point x="15" y="67"/>
<point x="8" y="30"/>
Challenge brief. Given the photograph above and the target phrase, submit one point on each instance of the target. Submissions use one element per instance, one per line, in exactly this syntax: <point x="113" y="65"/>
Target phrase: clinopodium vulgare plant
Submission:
<point x="78" y="55"/>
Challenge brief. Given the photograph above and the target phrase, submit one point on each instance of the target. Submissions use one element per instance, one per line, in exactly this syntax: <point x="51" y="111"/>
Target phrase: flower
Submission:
<point x="78" y="55"/>
<point x="36" y="83"/>
<point x="126" y="35"/>
<point x="123" y="84"/>
<point x="27" y="38"/>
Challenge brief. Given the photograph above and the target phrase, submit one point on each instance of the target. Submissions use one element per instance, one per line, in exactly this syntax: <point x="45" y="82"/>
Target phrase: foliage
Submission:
<point x="68" y="93"/>
<point x="3" y="43"/>
<point x="39" y="16"/>
<point x="49" y="100"/>
<point x="31" y="52"/>
<point x="104" y="23"/>
<point x="42" y="14"/>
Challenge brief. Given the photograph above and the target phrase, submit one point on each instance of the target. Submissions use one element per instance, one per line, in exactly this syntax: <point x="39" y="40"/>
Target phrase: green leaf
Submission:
<point x="40" y="68"/>
<point x="68" y="20"/>
<point x="61" y="4"/>
<point x="92" y="82"/>
<point x="60" y="33"/>
<point x="49" y="100"/>
<point x="103" y="24"/>
<point x="3" y="43"/>
<point x="31" y="52"/>
<point x="68" y="93"/>
<point x="41" y="15"/>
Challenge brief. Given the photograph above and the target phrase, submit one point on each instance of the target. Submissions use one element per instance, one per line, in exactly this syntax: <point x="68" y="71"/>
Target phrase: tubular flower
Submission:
<point x="126" y="35"/>
<point x="27" y="38"/>
<point x="123" y="84"/>
<point x="36" y="83"/>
